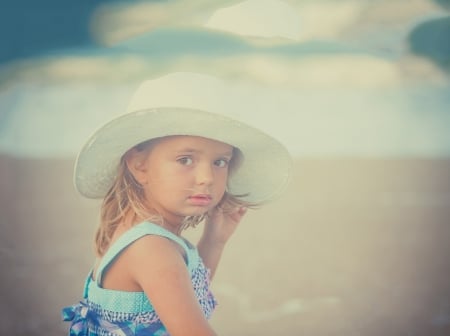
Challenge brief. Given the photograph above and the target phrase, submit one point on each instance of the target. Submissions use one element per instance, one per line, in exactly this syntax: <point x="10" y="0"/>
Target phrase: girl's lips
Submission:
<point x="201" y="199"/>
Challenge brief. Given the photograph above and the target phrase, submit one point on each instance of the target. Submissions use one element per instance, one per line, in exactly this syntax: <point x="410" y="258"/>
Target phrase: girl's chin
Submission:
<point x="198" y="210"/>
<point x="198" y="213"/>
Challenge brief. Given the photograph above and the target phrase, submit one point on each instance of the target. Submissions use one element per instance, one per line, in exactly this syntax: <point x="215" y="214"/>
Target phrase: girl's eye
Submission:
<point x="185" y="160"/>
<point x="221" y="163"/>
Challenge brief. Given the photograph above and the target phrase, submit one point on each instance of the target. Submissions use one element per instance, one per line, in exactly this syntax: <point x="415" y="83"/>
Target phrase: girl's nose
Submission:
<point x="205" y="174"/>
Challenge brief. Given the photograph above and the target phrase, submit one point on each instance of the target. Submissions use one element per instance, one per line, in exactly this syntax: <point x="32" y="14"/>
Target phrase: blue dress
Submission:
<point x="106" y="312"/>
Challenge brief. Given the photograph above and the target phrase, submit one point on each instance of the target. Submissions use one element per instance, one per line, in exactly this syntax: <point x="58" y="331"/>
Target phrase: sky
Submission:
<point x="327" y="77"/>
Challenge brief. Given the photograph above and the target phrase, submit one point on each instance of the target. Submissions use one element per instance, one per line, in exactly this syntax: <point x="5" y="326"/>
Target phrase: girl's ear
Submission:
<point x="135" y="160"/>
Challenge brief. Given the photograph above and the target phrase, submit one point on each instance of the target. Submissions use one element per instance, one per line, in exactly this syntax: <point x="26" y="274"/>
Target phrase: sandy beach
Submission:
<point x="354" y="247"/>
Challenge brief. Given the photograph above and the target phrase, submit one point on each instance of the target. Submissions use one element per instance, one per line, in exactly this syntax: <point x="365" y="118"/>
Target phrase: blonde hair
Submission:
<point x="126" y="196"/>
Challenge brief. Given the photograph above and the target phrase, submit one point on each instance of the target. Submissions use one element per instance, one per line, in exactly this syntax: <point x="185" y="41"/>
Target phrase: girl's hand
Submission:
<point x="221" y="224"/>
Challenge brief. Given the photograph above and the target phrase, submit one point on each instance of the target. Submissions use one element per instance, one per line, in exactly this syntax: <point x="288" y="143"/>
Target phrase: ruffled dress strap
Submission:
<point x="133" y="234"/>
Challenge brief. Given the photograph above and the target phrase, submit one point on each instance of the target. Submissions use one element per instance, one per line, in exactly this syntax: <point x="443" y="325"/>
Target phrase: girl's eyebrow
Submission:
<point x="227" y="154"/>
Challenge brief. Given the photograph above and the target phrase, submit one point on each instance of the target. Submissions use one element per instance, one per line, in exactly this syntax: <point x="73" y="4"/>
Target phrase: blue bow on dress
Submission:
<point x="79" y="315"/>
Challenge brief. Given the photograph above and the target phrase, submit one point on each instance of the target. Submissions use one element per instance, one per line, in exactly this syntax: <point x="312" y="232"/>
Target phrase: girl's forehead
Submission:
<point x="192" y="143"/>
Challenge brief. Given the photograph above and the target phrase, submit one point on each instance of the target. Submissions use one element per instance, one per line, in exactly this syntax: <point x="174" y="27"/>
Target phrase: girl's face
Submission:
<point x="183" y="175"/>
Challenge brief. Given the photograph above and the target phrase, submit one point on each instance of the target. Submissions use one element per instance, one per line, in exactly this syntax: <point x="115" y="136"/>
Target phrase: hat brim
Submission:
<point x="262" y="175"/>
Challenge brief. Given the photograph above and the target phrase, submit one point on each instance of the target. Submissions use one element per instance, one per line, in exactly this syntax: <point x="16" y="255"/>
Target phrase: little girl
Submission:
<point x="159" y="171"/>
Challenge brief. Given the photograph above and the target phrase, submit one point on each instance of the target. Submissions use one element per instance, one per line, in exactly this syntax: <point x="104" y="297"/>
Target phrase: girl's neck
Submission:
<point x="132" y="219"/>
<point x="174" y="228"/>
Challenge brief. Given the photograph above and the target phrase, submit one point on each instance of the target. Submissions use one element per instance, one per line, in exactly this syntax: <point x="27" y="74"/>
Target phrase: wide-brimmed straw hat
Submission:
<point x="264" y="168"/>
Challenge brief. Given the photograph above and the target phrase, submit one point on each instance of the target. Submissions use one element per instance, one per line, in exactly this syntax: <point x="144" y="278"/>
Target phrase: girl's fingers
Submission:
<point x="238" y="213"/>
<point x="242" y="211"/>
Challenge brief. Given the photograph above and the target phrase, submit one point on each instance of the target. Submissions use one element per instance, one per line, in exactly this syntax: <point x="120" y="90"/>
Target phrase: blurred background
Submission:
<point x="359" y="92"/>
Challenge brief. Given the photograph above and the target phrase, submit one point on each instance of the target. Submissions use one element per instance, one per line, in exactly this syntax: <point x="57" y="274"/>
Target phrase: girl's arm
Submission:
<point x="158" y="267"/>
<point x="218" y="229"/>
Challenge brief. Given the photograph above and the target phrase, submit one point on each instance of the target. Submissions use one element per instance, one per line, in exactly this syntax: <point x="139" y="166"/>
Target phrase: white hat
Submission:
<point x="265" y="167"/>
